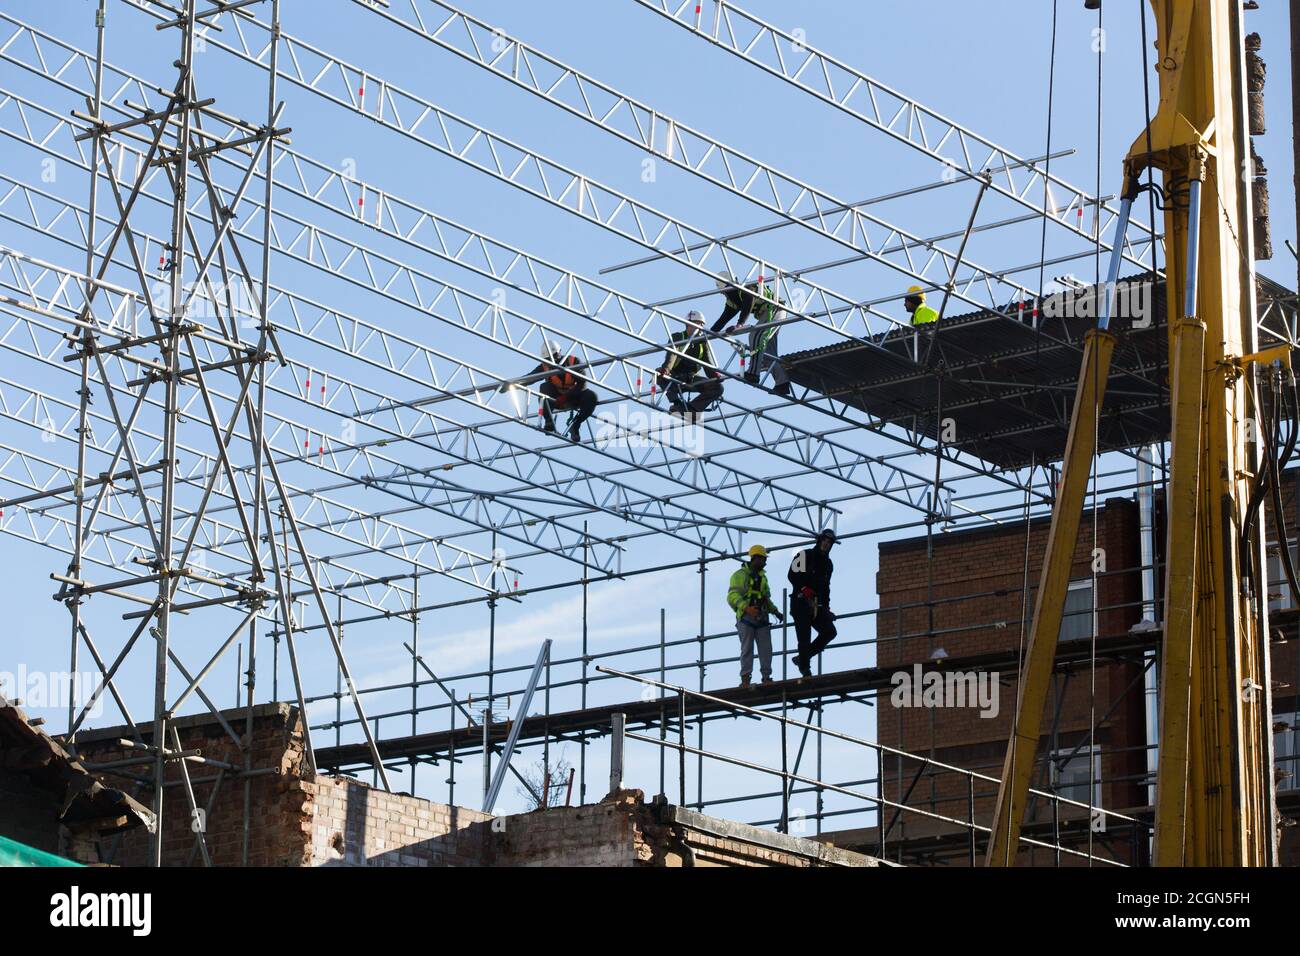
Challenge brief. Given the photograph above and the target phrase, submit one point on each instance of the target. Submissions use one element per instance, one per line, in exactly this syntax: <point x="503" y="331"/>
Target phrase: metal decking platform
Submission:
<point x="1006" y="384"/>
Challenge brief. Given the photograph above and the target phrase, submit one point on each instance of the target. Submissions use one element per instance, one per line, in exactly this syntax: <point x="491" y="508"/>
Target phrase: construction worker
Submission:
<point x="921" y="313"/>
<point x="810" y="604"/>
<point x="750" y="597"/>
<point x="564" y="389"/>
<point x="694" y="370"/>
<point x="741" y="303"/>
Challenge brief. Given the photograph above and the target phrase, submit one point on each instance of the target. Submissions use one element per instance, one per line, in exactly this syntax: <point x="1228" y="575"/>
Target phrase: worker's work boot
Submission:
<point x="575" y="435"/>
<point x="549" y="427"/>
<point x="744" y="681"/>
<point x="783" y="389"/>
<point x="767" y="680"/>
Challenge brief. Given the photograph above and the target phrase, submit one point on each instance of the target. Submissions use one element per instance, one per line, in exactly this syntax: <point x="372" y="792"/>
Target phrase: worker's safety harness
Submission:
<point x="753" y="589"/>
<point x="767" y="309"/>
<point x="563" y="379"/>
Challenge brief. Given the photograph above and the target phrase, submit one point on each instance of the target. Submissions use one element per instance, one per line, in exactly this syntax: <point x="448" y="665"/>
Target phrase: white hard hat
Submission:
<point x="725" y="281"/>
<point x="694" y="318"/>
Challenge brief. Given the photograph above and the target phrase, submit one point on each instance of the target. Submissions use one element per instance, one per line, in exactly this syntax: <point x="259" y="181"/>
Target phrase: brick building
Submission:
<point x="967" y="600"/>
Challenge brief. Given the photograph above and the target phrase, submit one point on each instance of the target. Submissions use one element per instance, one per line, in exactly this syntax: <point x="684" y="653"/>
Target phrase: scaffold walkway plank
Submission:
<point x="596" y="720"/>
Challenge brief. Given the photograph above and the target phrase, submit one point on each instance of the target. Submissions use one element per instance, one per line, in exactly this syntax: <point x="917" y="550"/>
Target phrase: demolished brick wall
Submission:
<point x="279" y="805"/>
<point x="352" y="824"/>
<point x="297" y="819"/>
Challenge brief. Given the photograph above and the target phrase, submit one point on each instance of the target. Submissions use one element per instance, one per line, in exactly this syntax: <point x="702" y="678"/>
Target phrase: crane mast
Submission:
<point x="1214" y="788"/>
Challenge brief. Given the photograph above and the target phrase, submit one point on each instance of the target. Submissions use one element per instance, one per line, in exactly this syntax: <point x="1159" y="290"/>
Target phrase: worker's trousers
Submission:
<point x="755" y="632"/>
<point x="804" y="623"/>
<point x="707" y="391"/>
<point x="581" y="400"/>
<point x="763" y="349"/>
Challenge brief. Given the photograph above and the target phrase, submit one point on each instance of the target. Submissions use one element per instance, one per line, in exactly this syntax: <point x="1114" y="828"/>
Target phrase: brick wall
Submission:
<point x="355" y="825"/>
<point x="299" y="820"/>
<point x="968" y="598"/>
<point x="352" y="824"/>
<point x="611" y="833"/>
<point x="278" y="833"/>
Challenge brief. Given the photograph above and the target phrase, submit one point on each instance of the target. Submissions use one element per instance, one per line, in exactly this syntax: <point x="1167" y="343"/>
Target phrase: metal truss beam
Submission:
<point x="456" y="137"/>
<point x="903" y="119"/>
<point x="465" y="445"/>
<point x="542" y="279"/>
<point x="425" y="293"/>
<point x="344" y="460"/>
<point x="666" y="138"/>
<point x="384" y="202"/>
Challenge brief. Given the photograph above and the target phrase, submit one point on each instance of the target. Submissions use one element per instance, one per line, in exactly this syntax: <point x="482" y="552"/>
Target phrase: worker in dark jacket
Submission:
<point x="740" y="303"/>
<point x="810" y="602"/>
<point x="564" y="388"/>
<point x="694" y="370"/>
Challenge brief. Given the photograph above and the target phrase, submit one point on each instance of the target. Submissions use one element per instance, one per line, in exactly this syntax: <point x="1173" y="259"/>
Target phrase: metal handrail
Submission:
<point x="881" y="749"/>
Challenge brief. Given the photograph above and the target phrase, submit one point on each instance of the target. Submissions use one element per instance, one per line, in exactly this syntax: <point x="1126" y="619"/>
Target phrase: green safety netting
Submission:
<point x="13" y="853"/>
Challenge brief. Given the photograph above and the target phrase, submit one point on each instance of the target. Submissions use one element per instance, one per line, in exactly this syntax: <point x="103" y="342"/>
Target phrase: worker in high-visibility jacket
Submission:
<point x="564" y="389"/>
<point x="750" y="596"/>
<point x="689" y="375"/>
<point x="921" y="313"/>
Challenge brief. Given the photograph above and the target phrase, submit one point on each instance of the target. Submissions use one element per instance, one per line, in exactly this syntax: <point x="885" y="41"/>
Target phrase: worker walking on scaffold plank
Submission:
<point x="750" y="596"/>
<point x="810" y="607"/>
<point x="689" y="367"/>
<point x="765" y="307"/>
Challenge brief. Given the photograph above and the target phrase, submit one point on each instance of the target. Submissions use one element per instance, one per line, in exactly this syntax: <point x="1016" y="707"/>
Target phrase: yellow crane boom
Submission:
<point x="1214" y="788"/>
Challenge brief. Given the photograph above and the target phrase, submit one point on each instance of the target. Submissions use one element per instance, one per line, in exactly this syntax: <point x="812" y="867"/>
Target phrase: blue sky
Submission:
<point x="983" y="64"/>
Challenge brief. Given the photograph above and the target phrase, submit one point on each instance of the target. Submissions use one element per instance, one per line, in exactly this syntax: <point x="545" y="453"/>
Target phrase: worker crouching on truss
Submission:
<point x="690" y="370"/>
<point x="564" y="389"/>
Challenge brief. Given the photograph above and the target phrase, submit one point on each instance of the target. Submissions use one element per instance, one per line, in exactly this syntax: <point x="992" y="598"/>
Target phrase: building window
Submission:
<point x="1286" y="749"/>
<point x="1074" y="770"/>
<point x="1076" y="621"/>
<point x="1279" y="590"/>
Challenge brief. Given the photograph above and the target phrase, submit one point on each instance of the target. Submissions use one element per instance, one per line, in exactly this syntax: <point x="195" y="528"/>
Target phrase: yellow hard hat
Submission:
<point x="757" y="551"/>
<point x="916" y="290"/>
